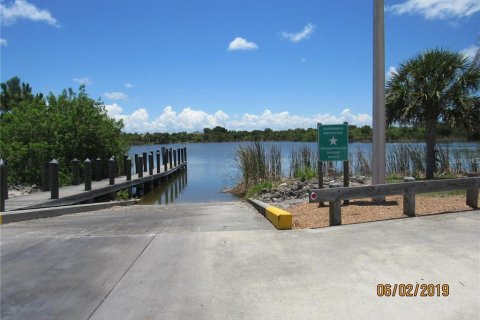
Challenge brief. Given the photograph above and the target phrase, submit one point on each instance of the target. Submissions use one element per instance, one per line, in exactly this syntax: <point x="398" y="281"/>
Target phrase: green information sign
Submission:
<point x="333" y="142"/>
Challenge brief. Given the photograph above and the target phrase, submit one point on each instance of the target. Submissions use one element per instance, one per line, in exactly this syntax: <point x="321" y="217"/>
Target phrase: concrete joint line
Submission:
<point x="120" y="279"/>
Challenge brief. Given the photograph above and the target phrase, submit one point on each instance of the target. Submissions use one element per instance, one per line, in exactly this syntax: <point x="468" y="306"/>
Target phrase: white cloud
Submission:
<point x="115" y="95"/>
<point x="299" y="36"/>
<point x="470" y="52"/>
<point x="86" y="81"/>
<point x="3" y="42"/>
<point x="192" y="120"/>
<point x="128" y="85"/>
<point x="437" y="9"/>
<point x="113" y="110"/>
<point x="241" y="44"/>
<point x="21" y="9"/>
<point x="390" y="72"/>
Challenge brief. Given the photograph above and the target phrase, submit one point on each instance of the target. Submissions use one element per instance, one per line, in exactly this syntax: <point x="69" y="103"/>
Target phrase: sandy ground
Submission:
<point x="308" y="215"/>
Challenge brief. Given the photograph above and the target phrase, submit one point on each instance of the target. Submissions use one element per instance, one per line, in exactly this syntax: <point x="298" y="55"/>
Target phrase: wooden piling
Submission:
<point x="87" y="171"/>
<point x="53" y="174"/>
<point x="75" y="172"/>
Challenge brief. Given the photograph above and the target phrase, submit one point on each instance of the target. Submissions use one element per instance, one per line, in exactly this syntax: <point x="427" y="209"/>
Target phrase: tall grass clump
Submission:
<point x="361" y="162"/>
<point x="256" y="164"/>
<point x="303" y="163"/>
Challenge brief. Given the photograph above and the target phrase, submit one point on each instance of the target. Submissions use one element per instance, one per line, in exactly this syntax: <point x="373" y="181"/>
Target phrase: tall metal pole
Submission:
<point x="378" y="148"/>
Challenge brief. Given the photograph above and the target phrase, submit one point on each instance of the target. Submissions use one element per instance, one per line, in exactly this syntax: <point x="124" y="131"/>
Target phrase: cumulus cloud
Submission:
<point x="392" y="70"/>
<point x="21" y="9"/>
<point x="299" y="36"/>
<point x="3" y="42"/>
<point x="240" y="43"/>
<point x="470" y="52"/>
<point x="192" y="120"/>
<point x="115" y="95"/>
<point x="437" y="9"/>
<point x="86" y="81"/>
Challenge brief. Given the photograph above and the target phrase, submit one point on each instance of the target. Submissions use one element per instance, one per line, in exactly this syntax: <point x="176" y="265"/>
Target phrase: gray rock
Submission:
<point x="409" y="179"/>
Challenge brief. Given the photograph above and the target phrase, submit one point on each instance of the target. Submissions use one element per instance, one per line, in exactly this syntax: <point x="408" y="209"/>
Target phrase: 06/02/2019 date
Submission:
<point x="412" y="290"/>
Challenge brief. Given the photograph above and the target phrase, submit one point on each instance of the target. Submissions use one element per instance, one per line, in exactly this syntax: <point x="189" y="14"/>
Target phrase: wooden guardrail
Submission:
<point x="408" y="189"/>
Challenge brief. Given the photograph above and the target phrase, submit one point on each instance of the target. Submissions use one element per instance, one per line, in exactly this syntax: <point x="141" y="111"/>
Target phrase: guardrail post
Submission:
<point x="98" y="169"/>
<point x="75" y="172"/>
<point x="157" y="154"/>
<point x="53" y="173"/>
<point x="150" y="163"/>
<point x="409" y="202"/>
<point x="140" y="166"/>
<point x="111" y="171"/>
<point x="335" y="213"/>
<point x="144" y="162"/>
<point x="45" y="180"/>
<point x="128" y="173"/>
<point x="87" y="171"/>
<point x="472" y="192"/>
<point x="3" y="185"/>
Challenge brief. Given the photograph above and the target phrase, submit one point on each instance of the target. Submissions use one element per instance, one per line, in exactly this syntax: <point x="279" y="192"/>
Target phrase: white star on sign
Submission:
<point x="333" y="141"/>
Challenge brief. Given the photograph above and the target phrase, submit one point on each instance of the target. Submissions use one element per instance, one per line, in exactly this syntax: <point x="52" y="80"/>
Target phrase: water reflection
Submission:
<point x="168" y="191"/>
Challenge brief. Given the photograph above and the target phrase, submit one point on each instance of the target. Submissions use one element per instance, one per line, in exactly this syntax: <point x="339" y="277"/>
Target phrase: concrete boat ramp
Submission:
<point x="225" y="261"/>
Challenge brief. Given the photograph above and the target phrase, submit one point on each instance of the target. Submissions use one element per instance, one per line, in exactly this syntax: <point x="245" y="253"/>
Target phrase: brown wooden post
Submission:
<point x="3" y="185"/>
<point x="346" y="178"/>
<point x="170" y="158"/>
<point x="320" y="178"/>
<point x="158" y="161"/>
<point x="174" y="157"/>
<point x="472" y="192"/>
<point x="335" y="213"/>
<point x="409" y="202"/>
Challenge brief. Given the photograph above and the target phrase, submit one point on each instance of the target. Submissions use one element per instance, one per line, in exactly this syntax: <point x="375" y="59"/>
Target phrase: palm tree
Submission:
<point x="436" y="86"/>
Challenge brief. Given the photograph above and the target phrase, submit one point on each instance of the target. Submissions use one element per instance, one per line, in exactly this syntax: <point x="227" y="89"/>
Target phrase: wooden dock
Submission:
<point x="76" y="194"/>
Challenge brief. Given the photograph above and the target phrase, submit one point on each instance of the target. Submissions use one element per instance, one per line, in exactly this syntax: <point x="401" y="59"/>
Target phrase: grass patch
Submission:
<point x="256" y="188"/>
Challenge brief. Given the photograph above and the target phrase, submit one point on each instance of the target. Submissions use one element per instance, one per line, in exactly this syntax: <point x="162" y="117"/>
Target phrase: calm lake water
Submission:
<point x="211" y="168"/>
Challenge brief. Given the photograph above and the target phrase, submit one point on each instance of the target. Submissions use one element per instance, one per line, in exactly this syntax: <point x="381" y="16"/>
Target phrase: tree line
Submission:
<point x="356" y="134"/>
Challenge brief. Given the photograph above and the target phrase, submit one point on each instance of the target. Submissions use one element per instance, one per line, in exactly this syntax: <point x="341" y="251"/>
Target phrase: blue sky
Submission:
<point x="242" y="64"/>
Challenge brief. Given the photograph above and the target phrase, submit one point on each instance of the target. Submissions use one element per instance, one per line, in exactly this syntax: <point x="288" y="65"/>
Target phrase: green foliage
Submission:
<point x="256" y="188"/>
<point x="64" y="127"/>
<point x="436" y="86"/>
<point x="122" y="195"/>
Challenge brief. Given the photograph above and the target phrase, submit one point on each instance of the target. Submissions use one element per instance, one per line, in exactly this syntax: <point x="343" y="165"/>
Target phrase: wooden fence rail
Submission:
<point x="408" y="190"/>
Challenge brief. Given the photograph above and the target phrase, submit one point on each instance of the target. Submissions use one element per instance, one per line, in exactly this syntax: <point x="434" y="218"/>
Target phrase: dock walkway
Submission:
<point x="76" y="194"/>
